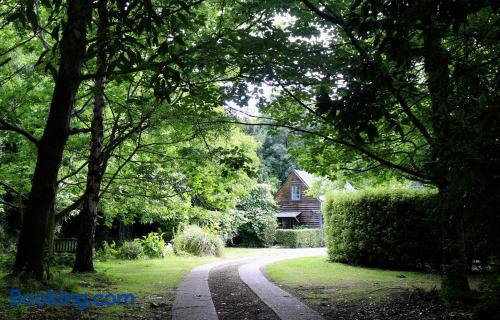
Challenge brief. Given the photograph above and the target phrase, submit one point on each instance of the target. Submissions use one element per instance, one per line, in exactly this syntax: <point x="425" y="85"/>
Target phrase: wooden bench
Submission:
<point x="65" y="244"/>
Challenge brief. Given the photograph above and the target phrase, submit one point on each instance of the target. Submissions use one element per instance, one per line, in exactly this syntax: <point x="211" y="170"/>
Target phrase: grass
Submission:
<point x="316" y="277"/>
<point x="150" y="280"/>
<point x="143" y="277"/>
<point x="341" y="291"/>
<point x="146" y="279"/>
<point x="318" y="272"/>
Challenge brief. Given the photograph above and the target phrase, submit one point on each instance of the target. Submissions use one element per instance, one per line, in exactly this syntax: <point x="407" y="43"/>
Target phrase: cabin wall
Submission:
<point x="309" y="206"/>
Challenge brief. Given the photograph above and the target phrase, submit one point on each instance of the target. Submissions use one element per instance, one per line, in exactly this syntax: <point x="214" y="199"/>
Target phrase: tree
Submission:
<point x="409" y="87"/>
<point x="277" y="163"/>
<point x="172" y="78"/>
<point x="259" y="212"/>
<point x="96" y="162"/>
<point x="181" y="175"/>
<point x="148" y="40"/>
<point x="29" y="258"/>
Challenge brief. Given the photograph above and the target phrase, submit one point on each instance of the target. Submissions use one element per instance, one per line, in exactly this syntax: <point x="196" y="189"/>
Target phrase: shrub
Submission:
<point x="300" y="238"/>
<point x="258" y="231"/>
<point x="107" y="251"/>
<point x="130" y="250"/>
<point x="153" y="245"/>
<point x="197" y="241"/>
<point x="224" y="222"/>
<point x="383" y="228"/>
<point x="488" y="307"/>
<point x="63" y="259"/>
<point x="8" y="257"/>
<point x="259" y="211"/>
<point x="268" y="231"/>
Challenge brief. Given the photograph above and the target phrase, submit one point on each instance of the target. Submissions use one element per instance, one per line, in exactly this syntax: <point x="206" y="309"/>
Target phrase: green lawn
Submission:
<point x="317" y="277"/>
<point x="152" y="281"/>
<point x="146" y="276"/>
<point x="318" y="272"/>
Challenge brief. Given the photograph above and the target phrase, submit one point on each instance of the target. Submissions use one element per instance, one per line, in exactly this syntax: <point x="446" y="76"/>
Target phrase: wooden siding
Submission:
<point x="309" y="207"/>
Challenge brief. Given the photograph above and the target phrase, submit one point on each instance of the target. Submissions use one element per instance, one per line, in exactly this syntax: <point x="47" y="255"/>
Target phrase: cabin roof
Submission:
<point x="288" y="214"/>
<point x="306" y="177"/>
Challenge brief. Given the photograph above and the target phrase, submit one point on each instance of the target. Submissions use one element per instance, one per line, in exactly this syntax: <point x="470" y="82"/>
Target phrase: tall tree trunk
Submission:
<point x="88" y="215"/>
<point x="51" y="228"/>
<point x="455" y="285"/>
<point x="30" y="248"/>
<point x="436" y="62"/>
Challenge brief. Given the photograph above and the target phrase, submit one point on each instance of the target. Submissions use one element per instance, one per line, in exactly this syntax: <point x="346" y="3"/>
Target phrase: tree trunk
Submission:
<point x="30" y="248"/>
<point x="436" y="62"/>
<point x="51" y="228"/>
<point x="88" y="215"/>
<point x="455" y="285"/>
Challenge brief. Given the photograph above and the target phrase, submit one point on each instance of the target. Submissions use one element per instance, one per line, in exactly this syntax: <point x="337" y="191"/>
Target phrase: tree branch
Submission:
<point x="5" y="203"/>
<point x="115" y="174"/>
<point x="418" y="175"/>
<point x="337" y="20"/>
<point x="66" y="211"/>
<point x="9" y="187"/>
<point x="79" y="130"/>
<point x="4" y="125"/>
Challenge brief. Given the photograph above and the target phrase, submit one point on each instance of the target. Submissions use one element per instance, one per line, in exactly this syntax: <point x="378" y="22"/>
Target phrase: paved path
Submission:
<point x="193" y="300"/>
<point x="283" y="304"/>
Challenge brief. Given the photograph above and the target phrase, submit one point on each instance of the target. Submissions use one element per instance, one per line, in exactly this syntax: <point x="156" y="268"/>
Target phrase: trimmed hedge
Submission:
<point x="383" y="228"/>
<point x="300" y="238"/>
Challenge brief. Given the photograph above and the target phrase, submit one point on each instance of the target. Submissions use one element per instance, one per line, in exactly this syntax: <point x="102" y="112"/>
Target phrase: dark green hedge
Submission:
<point x="383" y="228"/>
<point x="300" y="238"/>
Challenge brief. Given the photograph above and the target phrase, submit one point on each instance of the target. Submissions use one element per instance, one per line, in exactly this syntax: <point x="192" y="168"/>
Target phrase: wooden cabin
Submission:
<point x="295" y="207"/>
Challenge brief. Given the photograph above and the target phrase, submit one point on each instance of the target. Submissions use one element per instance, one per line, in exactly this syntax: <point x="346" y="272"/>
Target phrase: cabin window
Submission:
<point x="295" y="191"/>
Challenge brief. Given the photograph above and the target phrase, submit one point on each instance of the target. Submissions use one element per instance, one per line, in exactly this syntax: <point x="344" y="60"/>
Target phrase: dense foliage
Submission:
<point x="133" y="93"/>
<point x="383" y="228"/>
<point x="136" y="92"/>
<point x="130" y="250"/>
<point x="259" y="211"/>
<point x="149" y="246"/>
<point x="394" y="89"/>
<point x="197" y="241"/>
<point x="300" y="238"/>
<point x="185" y="182"/>
<point x="276" y="161"/>
<point x="153" y="245"/>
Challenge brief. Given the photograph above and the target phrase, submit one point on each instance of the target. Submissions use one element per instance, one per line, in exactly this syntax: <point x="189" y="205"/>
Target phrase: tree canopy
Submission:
<point x="120" y="108"/>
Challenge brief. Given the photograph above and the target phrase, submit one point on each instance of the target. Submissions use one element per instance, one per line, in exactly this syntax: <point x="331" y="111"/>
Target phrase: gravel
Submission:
<point x="233" y="299"/>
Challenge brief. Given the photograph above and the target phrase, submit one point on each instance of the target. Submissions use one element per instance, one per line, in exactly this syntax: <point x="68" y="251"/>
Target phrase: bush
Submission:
<point x="153" y="245"/>
<point x="488" y="307"/>
<point x="107" y="251"/>
<point x="259" y="211"/>
<point x="197" y="241"/>
<point x="267" y="233"/>
<point x="300" y="238"/>
<point x="63" y="259"/>
<point x="8" y="257"/>
<point x="258" y="231"/>
<point x="130" y="250"/>
<point x="383" y="228"/>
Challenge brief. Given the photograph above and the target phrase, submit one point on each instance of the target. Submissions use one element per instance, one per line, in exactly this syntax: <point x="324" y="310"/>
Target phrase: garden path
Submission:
<point x="194" y="301"/>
